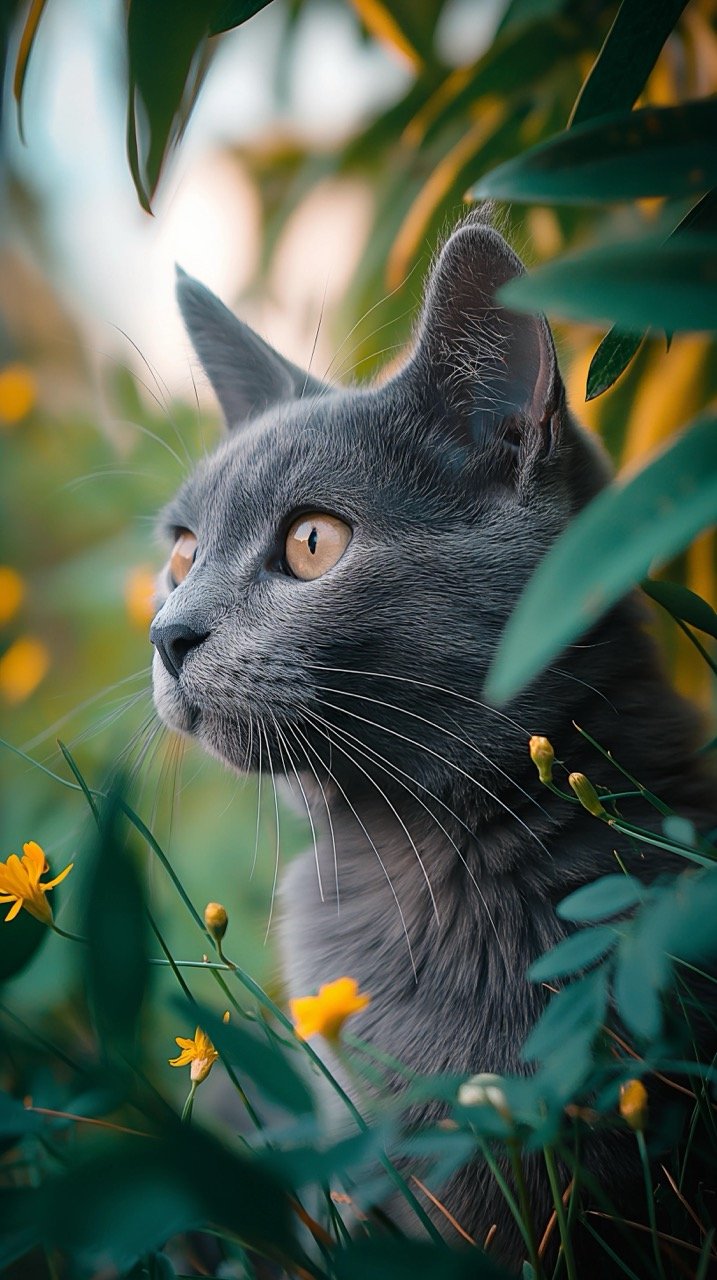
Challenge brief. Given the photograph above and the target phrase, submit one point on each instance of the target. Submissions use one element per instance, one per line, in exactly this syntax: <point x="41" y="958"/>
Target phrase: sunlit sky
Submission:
<point x="113" y="265"/>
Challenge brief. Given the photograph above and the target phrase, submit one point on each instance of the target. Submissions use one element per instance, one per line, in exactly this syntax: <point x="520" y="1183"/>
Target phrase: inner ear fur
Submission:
<point x="247" y="375"/>
<point x="492" y="372"/>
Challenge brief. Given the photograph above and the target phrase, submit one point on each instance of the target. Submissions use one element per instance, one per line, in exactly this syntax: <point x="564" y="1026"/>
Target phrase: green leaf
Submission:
<point x="682" y="603"/>
<point x="638" y="284"/>
<point x="412" y="1260"/>
<point x="262" y="1060"/>
<point x="235" y="12"/>
<point x="657" y="151"/>
<point x="638" y="521"/>
<point x="115" y="928"/>
<point x="627" y="57"/>
<point x="15" y="1119"/>
<point x="578" y="1007"/>
<point x="164" y="44"/>
<point x="602" y="899"/>
<point x="519" y="12"/>
<point x="641" y="972"/>
<point x="135" y="1195"/>
<point x="611" y="359"/>
<point x="574" y="953"/>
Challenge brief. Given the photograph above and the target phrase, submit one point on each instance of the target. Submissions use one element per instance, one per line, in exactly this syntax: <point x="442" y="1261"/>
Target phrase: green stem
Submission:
<point x="525" y="1206"/>
<point x="642" y="1148"/>
<point x="627" y="829"/>
<point x="189" y="1104"/>
<point x="560" y="1213"/>
<point x="505" y="1189"/>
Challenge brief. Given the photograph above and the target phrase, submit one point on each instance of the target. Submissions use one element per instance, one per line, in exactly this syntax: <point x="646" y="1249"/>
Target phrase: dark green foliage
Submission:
<point x="611" y="545"/>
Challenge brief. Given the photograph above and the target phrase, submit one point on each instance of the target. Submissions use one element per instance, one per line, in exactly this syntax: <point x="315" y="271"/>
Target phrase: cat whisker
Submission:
<point x="362" y="318"/>
<point x="163" y="400"/>
<point x="568" y="675"/>
<point x="441" y="729"/>
<point x="292" y="728"/>
<point x="260" y="778"/>
<point x="392" y="771"/>
<point x="399" y="819"/>
<point x="424" y="684"/>
<point x="437" y="755"/>
<point x="282" y="740"/>
<point x="278" y="835"/>
<point x="381" y="863"/>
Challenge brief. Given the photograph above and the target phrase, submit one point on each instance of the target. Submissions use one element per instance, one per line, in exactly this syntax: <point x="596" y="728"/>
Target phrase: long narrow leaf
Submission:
<point x="639" y="521"/>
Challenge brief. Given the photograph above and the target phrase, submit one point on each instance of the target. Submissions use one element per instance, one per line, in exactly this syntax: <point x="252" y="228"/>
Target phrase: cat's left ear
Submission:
<point x="248" y="376"/>
<point x="491" y="373"/>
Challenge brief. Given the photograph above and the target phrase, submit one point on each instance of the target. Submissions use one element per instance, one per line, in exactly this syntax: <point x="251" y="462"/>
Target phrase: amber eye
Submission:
<point x="183" y="556"/>
<point x="314" y="544"/>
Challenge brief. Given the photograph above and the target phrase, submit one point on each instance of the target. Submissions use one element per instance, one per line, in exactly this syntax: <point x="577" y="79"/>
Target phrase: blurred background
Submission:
<point x="328" y="152"/>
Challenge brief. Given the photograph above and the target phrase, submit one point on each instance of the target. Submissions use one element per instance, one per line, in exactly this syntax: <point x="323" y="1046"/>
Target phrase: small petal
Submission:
<point x="13" y="910"/>
<point x="51" y="883"/>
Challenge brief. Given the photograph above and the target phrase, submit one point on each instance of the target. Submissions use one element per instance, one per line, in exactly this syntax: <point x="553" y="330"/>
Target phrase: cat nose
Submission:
<point x="173" y="641"/>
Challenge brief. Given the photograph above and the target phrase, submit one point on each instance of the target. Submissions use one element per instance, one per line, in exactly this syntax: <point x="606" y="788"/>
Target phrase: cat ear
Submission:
<point x="247" y="375"/>
<point x="491" y="372"/>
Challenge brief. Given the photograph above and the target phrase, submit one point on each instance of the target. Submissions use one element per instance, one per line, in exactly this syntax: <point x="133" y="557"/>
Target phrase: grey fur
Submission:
<point x="456" y="476"/>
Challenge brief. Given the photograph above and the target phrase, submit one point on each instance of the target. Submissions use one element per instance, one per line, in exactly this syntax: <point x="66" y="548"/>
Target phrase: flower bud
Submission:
<point x="543" y="757"/>
<point x="633" y="1104"/>
<point x="587" y="795"/>
<point x="216" y="920"/>
<point x="485" y="1090"/>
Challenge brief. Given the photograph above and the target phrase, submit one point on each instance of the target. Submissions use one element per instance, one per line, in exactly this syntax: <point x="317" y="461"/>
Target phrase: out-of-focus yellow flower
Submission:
<point x="543" y="757"/>
<point x="633" y="1104"/>
<point x="20" y="883"/>
<point x="326" y="1013"/>
<point x="587" y="795"/>
<point x="139" y="591"/>
<point x="22" y="667"/>
<point x="12" y="591"/>
<point x="216" y="920"/>
<point x="17" y="393"/>
<point x="199" y="1054"/>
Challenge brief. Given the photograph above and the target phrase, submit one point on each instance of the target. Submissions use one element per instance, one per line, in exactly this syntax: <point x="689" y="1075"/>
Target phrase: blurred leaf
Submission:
<point x="412" y="1260"/>
<point x="627" y="57"/>
<point x="303" y="1166"/>
<point x="135" y="1195"/>
<point x="618" y="348"/>
<point x="610" y="360"/>
<point x="262" y="1060"/>
<point x="233" y="13"/>
<point x="638" y="283"/>
<point x="115" y="929"/>
<point x="682" y="603"/>
<point x="164" y="43"/>
<point x="15" y="1119"/>
<point x="641" y="971"/>
<point x="27" y="40"/>
<point x="19" y="1231"/>
<point x="515" y="62"/>
<point x="656" y="151"/>
<point x="402" y="24"/>
<point x="573" y="953"/>
<point x="638" y="521"/>
<point x="577" y="1008"/>
<point x="518" y="12"/>
<point x="606" y="897"/>
<point x="19" y="942"/>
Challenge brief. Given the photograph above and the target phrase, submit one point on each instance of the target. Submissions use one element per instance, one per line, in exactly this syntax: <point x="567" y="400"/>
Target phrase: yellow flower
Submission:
<point x="17" y="393"/>
<point x="326" y="1013"/>
<point x="20" y="883"/>
<point x="543" y="757"/>
<point x="587" y="795"/>
<point x="216" y="920"/>
<point x="139" y="589"/>
<point x="200" y="1052"/>
<point x="22" y="667"/>
<point x="633" y="1104"/>
<point x="12" y="590"/>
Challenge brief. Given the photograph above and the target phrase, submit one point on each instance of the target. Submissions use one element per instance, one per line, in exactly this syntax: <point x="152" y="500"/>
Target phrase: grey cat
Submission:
<point x="343" y="567"/>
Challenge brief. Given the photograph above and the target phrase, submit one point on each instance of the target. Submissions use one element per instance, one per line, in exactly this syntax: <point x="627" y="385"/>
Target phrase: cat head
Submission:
<point x="344" y="563"/>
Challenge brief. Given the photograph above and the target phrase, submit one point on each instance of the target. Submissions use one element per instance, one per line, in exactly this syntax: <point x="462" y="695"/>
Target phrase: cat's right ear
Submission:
<point x="247" y="375"/>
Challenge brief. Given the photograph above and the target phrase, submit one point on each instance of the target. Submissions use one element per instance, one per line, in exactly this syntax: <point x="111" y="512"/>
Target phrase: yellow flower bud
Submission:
<point x="216" y="920"/>
<point x="587" y="795"/>
<point x="543" y="757"/>
<point x="633" y="1104"/>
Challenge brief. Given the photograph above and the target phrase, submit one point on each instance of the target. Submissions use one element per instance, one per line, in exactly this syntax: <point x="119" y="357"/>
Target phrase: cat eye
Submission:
<point x="184" y="553"/>
<point x="314" y="544"/>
